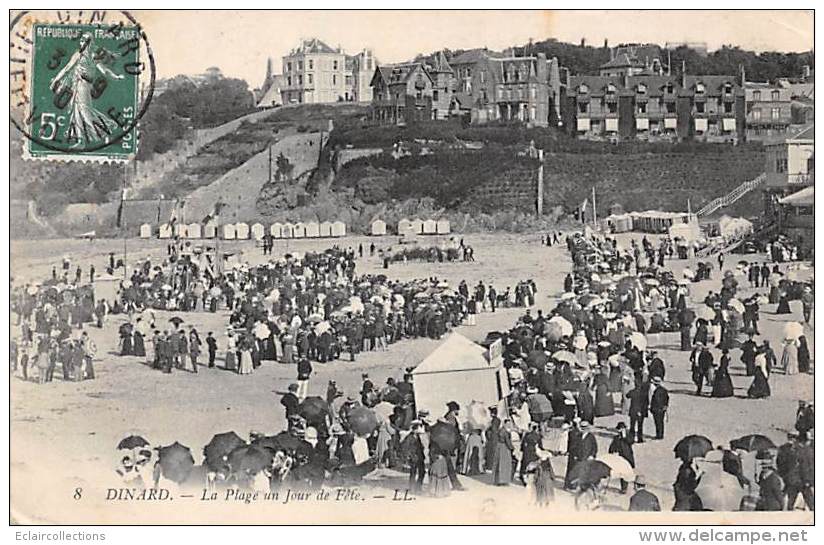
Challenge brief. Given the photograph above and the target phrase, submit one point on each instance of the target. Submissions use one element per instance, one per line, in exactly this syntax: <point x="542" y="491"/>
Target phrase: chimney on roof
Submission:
<point x="606" y="43"/>
<point x="743" y="74"/>
<point x="583" y="42"/>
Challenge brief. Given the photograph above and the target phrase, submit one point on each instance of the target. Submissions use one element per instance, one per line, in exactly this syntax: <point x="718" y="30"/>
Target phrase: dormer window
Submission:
<point x="610" y="89"/>
<point x="583" y="89"/>
<point x="669" y="88"/>
<point x="728" y="88"/>
<point x="699" y="88"/>
<point x="642" y="89"/>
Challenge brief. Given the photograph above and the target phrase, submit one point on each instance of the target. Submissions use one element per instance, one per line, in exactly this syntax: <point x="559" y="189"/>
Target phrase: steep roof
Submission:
<point x="456" y="353"/>
<point x="440" y="64"/>
<point x="713" y="84"/>
<point x="398" y="73"/>
<point x="806" y="133"/>
<point x="622" y="61"/>
<point x="314" y="45"/>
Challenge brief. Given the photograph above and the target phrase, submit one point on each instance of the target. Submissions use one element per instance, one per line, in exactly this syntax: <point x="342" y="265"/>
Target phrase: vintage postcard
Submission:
<point x="411" y="267"/>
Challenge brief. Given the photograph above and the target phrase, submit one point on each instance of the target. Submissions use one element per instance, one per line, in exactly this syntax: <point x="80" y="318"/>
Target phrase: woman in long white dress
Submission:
<point x="245" y="357"/>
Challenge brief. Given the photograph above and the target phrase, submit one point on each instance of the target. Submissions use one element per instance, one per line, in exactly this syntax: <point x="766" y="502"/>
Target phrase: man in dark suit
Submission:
<point x="573" y="451"/>
<point x="658" y="405"/>
<point x="211" y="344"/>
<point x="638" y="411"/>
<point x="290" y="401"/>
<point x="770" y="489"/>
<point x="451" y="417"/>
<point x="413" y="451"/>
<point x="643" y="499"/>
<point x="806" y="469"/>
<point x="588" y="448"/>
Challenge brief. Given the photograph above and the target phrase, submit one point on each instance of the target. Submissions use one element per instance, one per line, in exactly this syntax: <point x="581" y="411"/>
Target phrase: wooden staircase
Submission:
<point x="732" y="196"/>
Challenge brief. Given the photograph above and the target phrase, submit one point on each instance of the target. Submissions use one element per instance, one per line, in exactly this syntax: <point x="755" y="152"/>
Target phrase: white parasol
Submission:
<point x="566" y="327"/>
<point x="638" y="341"/>
<point x="793" y="330"/>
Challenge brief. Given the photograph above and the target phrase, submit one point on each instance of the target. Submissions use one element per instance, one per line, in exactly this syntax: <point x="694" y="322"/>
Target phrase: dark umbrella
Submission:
<point x="215" y="452"/>
<point x="132" y="442"/>
<point x="692" y="446"/>
<point x="444" y="435"/>
<point x="250" y="459"/>
<point x="588" y="472"/>
<point x="537" y="359"/>
<point x="314" y="409"/>
<point x="176" y="320"/>
<point x="752" y="443"/>
<point x="176" y="462"/>
<point x="362" y="421"/>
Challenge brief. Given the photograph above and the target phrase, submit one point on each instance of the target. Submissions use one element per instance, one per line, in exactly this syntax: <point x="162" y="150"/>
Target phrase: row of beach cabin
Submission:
<point x="413" y="227"/>
<point x="244" y="231"/>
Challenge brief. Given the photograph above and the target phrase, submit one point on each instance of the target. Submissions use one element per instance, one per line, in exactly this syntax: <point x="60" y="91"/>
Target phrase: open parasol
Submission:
<point x="216" y="450"/>
<point x="175" y="461"/>
<point x="314" y="318"/>
<point x="444" y="435"/>
<point x="314" y="409"/>
<point x="589" y="472"/>
<point x="362" y="421"/>
<point x="478" y="416"/>
<point x="720" y="492"/>
<point x="250" y="459"/>
<point x="619" y="467"/>
<point x="132" y="442"/>
<point x="638" y="340"/>
<point x="704" y="312"/>
<point x="736" y="305"/>
<point x="692" y="446"/>
<point x="752" y="443"/>
<point x="566" y="326"/>
<point x="564" y="356"/>
<point x="261" y="331"/>
<point x="176" y="320"/>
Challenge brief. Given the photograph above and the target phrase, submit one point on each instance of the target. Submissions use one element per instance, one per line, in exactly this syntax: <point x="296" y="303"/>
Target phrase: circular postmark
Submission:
<point x="79" y="82"/>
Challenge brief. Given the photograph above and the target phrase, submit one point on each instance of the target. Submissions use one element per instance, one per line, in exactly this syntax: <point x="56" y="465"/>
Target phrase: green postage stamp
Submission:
<point x="84" y="92"/>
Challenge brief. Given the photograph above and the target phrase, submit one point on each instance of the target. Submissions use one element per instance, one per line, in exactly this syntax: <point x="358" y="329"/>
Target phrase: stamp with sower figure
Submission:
<point x="81" y="95"/>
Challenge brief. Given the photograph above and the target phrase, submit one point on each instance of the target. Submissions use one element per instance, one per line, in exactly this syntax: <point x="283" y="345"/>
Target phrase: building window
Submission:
<point x="582" y="107"/>
<point x="533" y="93"/>
<point x="288" y="66"/>
<point x="642" y="89"/>
<point x="670" y="107"/>
<point x="776" y="113"/>
<point x="756" y="96"/>
<point x="435" y="95"/>
<point x="309" y="79"/>
<point x="288" y="81"/>
<point x="612" y="107"/>
<point x="311" y="65"/>
<point x="300" y="65"/>
<point x="781" y="165"/>
<point x="419" y="94"/>
<point x="642" y="107"/>
<point x="699" y="107"/>
<point x="699" y="88"/>
<point x="669" y="88"/>
<point x="334" y="79"/>
<point x="776" y="95"/>
<point x="300" y="80"/>
<point x="756" y="115"/>
<point x="728" y="107"/>
<point x="483" y="76"/>
<point x="334" y="65"/>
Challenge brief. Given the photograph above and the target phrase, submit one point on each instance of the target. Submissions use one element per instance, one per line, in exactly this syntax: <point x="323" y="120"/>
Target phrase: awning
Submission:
<point x="805" y="197"/>
<point x="583" y="124"/>
<point x="642" y="124"/>
<point x="670" y="123"/>
<point x="612" y="124"/>
<point x="729" y="124"/>
<point x="701" y="125"/>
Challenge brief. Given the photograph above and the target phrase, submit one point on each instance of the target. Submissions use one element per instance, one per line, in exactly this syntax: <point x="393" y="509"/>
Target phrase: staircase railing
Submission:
<point x="732" y="196"/>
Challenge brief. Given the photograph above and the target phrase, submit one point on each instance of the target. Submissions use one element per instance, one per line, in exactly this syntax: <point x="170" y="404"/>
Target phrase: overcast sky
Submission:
<point x="187" y="42"/>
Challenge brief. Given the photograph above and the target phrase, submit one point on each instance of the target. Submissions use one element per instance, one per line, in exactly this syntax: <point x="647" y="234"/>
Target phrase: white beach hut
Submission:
<point x="228" y="232"/>
<point x="145" y="231"/>
<point x="338" y="229"/>
<point x="241" y="230"/>
<point x="378" y="228"/>
<point x="258" y="230"/>
<point x="312" y="229"/>
<point x="326" y="229"/>
<point x="165" y="231"/>
<point x="443" y="227"/>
